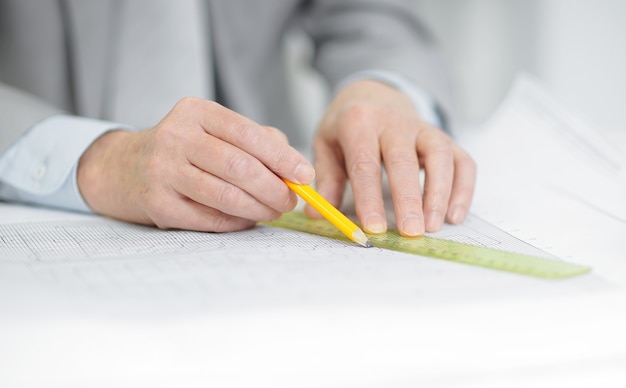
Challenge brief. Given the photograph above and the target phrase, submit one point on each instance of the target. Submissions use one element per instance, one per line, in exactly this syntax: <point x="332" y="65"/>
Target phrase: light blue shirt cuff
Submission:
<point x="423" y="102"/>
<point x="40" y="167"/>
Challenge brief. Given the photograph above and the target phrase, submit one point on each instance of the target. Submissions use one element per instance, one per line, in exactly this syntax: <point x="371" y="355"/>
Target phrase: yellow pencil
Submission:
<point x="343" y="223"/>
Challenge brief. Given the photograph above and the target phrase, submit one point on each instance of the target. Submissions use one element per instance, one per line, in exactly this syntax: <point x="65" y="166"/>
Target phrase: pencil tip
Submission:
<point x="361" y="239"/>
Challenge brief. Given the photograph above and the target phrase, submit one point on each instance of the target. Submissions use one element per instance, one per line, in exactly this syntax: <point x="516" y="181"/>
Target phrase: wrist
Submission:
<point x="99" y="175"/>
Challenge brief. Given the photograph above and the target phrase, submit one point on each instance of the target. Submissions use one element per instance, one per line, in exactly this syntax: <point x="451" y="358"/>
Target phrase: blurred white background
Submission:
<point x="576" y="47"/>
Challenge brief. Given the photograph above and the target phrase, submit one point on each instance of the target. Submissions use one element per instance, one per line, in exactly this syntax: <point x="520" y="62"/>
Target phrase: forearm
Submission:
<point x="100" y="176"/>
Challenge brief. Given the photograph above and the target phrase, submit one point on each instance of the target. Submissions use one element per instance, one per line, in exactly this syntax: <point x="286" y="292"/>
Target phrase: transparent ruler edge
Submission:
<point x="441" y="249"/>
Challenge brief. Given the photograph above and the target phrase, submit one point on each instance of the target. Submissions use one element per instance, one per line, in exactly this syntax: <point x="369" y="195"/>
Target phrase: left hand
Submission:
<point x="370" y="124"/>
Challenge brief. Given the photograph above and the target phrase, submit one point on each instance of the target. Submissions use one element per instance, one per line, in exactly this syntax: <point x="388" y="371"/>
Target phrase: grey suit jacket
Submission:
<point x="53" y="53"/>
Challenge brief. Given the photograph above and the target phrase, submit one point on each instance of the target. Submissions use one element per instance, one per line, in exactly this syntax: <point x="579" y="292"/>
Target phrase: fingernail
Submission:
<point x="434" y="221"/>
<point x="457" y="215"/>
<point x="304" y="173"/>
<point x="375" y="224"/>
<point x="411" y="225"/>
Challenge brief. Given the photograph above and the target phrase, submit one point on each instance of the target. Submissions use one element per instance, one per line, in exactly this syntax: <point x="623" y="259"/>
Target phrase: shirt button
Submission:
<point x="39" y="172"/>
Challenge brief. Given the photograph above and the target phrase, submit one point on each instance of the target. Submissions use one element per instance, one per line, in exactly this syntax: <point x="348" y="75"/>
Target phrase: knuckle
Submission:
<point x="364" y="114"/>
<point x="282" y="157"/>
<point x="229" y="196"/>
<point x="357" y="111"/>
<point x="225" y="223"/>
<point x="237" y="165"/>
<point x="285" y="200"/>
<point x="441" y="152"/>
<point x="401" y="159"/>
<point x="243" y="132"/>
<point x="368" y="201"/>
<point x="277" y="133"/>
<point x="269" y="215"/>
<point x="365" y="166"/>
<point x="437" y="199"/>
<point x="166" y="136"/>
<point x="441" y="145"/>
<point x="189" y="102"/>
<point x="357" y="115"/>
<point x="220" y="222"/>
<point x="438" y="203"/>
<point x="162" y="224"/>
<point x="190" y="106"/>
<point x="409" y="198"/>
<point x="159" y="214"/>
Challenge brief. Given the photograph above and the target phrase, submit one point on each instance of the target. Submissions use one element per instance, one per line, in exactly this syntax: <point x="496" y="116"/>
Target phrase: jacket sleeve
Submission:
<point x="19" y="112"/>
<point x="354" y="36"/>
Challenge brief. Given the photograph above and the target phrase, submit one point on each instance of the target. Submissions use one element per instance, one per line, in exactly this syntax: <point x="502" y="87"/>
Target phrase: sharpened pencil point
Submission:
<point x="361" y="239"/>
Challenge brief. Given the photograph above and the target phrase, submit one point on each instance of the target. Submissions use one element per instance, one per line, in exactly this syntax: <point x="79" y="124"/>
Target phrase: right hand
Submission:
<point x="203" y="167"/>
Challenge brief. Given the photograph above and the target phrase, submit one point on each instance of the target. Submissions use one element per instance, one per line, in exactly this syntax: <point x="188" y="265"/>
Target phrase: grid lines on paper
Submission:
<point x="74" y="240"/>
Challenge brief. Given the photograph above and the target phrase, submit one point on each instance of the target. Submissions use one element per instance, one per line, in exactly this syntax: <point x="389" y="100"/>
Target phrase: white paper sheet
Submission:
<point x="101" y="263"/>
<point x="550" y="179"/>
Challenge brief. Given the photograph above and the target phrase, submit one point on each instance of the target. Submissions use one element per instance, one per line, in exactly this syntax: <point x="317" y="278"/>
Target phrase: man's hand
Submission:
<point x="370" y="124"/>
<point x="203" y="167"/>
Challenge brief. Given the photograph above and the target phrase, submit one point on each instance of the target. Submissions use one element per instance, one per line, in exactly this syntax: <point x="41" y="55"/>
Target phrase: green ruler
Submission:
<point x="441" y="249"/>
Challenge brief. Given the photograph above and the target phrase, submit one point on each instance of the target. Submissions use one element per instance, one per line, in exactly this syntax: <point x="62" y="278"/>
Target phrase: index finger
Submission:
<point x="245" y="134"/>
<point x="363" y="165"/>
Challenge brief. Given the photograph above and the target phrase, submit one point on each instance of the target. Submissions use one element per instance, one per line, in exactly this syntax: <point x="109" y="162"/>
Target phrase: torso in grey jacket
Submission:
<point x="60" y="55"/>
